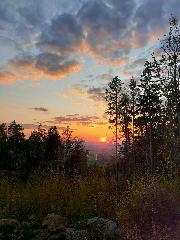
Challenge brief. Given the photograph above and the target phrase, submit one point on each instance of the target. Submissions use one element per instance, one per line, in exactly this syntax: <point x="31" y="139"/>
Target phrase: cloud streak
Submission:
<point x="76" y="119"/>
<point x="95" y="94"/>
<point x="40" y="109"/>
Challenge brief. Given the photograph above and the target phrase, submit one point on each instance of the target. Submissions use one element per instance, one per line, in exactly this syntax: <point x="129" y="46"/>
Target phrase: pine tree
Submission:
<point x="113" y="96"/>
<point x="3" y="147"/>
<point x="16" y="145"/>
<point x="133" y="92"/>
<point x="170" y="74"/>
<point x="150" y="108"/>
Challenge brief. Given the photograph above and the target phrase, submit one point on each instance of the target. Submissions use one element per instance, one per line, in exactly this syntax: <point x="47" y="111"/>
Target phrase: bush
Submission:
<point x="148" y="203"/>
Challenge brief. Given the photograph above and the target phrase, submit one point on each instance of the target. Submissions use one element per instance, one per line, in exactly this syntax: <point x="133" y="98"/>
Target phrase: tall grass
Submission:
<point x="75" y="198"/>
<point x="143" y="203"/>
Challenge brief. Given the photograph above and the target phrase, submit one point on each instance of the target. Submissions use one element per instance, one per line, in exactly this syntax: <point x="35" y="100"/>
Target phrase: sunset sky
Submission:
<point x="57" y="57"/>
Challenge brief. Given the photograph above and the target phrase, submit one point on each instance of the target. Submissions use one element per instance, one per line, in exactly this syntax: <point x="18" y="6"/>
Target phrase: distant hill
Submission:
<point x="99" y="153"/>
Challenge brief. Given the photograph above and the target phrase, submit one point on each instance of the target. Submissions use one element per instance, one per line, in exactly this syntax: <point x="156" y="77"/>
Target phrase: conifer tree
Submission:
<point x="149" y="108"/>
<point x="113" y="96"/>
<point x="170" y="74"/>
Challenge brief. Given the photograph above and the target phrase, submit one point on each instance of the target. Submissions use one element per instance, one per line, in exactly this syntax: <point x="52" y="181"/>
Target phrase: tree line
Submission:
<point x="44" y="150"/>
<point x="145" y="113"/>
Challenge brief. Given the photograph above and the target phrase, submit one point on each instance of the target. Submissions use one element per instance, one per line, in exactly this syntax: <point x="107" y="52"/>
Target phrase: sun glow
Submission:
<point x="103" y="139"/>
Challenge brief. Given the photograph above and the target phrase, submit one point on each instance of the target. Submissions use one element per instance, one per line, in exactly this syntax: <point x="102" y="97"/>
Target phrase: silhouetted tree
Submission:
<point x="37" y="149"/>
<point x="170" y="74"/>
<point x="113" y="95"/>
<point x="4" y="164"/>
<point x="54" y="149"/>
<point x="75" y="154"/>
<point x="150" y="108"/>
<point x="125" y="120"/>
<point x="16" y="146"/>
<point x="76" y="162"/>
<point x="133" y="94"/>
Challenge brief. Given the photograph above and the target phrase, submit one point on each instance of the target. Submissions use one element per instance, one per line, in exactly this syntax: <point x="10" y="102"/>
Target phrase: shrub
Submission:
<point x="150" y="202"/>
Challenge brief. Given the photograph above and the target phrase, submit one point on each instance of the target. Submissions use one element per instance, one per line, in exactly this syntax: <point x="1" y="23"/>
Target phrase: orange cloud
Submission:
<point x="107" y="51"/>
<point x="28" y="69"/>
<point x="118" y="62"/>
<point x="132" y="73"/>
<point x="139" y="41"/>
<point x="8" y="77"/>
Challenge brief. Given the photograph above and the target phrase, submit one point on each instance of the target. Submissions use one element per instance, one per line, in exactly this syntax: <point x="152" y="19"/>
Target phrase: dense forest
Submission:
<point x="139" y="189"/>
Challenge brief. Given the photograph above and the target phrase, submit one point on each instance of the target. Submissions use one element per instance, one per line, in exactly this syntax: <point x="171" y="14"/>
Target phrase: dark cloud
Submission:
<point x="48" y="64"/>
<point x="4" y="14"/>
<point x="110" y="19"/>
<point x="31" y="17"/>
<point x="83" y="90"/>
<point x="151" y="20"/>
<point x="150" y="16"/>
<point x="8" y="13"/>
<point x="54" y="64"/>
<point x="96" y="93"/>
<point x="32" y="13"/>
<point x="75" y="119"/>
<point x="40" y="109"/>
<point x="106" y="25"/>
<point x="22" y="61"/>
<point x="64" y="35"/>
<point x="72" y="115"/>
